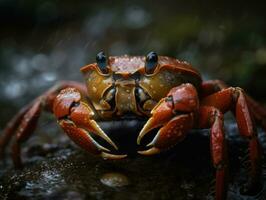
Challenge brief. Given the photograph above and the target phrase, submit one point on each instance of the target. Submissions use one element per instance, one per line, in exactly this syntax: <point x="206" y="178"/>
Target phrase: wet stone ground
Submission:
<point x="57" y="169"/>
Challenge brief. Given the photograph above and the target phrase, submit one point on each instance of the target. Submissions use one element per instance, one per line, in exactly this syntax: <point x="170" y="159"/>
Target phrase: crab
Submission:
<point x="168" y="93"/>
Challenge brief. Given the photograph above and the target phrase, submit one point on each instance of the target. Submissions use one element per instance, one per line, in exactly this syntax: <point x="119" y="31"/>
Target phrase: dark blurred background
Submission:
<point x="44" y="41"/>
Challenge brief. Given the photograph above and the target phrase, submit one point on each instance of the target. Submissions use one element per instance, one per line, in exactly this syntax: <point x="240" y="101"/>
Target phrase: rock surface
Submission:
<point x="62" y="171"/>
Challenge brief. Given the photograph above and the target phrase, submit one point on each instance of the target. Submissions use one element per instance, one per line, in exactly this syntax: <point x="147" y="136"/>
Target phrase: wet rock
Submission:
<point x="66" y="172"/>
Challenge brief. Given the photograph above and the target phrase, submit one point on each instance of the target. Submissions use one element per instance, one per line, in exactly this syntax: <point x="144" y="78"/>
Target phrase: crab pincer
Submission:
<point x="175" y="115"/>
<point x="76" y="119"/>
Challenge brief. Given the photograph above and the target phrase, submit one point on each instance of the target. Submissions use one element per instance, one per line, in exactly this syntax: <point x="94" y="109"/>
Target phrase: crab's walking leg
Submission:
<point x="76" y="119"/>
<point x="24" y="131"/>
<point x="235" y="98"/>
<point x="11" y="128"/>
<point x="258" y="111"/>
<point x="212" y="86"/>
<point x="23" y="124"/>
<point x="213" y="118"/>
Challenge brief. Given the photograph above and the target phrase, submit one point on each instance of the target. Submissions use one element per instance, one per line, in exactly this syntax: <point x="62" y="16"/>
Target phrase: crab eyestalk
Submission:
<point x="175" y="115"/>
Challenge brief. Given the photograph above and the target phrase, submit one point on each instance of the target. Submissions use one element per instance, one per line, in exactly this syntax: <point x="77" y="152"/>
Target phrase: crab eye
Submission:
<point x="102" y="62"/>
<point x="151" y="62"/>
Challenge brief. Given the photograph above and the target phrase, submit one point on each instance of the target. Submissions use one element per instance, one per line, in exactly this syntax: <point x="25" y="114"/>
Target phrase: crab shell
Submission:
<point x="127" y="89"/>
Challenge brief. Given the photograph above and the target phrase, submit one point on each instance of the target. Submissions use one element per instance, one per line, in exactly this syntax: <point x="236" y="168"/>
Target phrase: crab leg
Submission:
<point x="236" y="98"/>
<point x="23" y="124"/>
<point x="28" y="124"/>
<point x="76" y="118"/>
<point x="258" y="111"/>
<point x="212" y="86"/>
<point x="175" y="114"/>
<point x="10" y="129"/>
<point x="212" y="117"/>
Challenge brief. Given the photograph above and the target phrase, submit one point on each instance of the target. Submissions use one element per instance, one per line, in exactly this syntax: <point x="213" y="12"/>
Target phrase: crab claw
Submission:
<point x="149" y="152"/>
<point x="81" y="137"/>
<point x="175" y="115"/>
<point x="161" y="114"/>
<point x="81" y="115"/>
<point x="171" y="133"/>
<point x="76" y="118"/>
<point x="110" y="156"/>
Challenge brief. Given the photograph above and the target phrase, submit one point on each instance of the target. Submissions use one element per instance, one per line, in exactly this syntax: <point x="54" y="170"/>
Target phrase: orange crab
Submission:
<point x="167" y="92"/>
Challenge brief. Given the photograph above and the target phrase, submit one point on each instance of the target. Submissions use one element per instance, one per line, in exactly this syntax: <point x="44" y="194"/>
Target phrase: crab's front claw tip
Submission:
<point x="108" y="156"/>
<point x="94" y="127"/>
<point x="81" y="115"/>
<point x="147" y="127"/>
<point x="161" y="114"/>
<point x="151" y="151"/>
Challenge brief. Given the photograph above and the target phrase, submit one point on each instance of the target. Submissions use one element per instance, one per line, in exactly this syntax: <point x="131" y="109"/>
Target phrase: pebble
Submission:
<point x="114" y="179"/>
